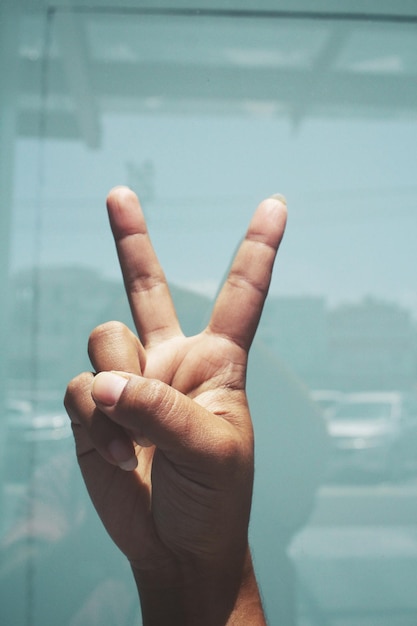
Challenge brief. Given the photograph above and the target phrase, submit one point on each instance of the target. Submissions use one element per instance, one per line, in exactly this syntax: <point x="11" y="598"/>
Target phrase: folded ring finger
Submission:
<point x="94" y="432"/>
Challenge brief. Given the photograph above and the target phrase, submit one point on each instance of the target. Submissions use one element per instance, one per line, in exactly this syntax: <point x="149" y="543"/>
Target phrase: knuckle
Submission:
<point x="77" y="392"/>
<point x="74" y="387"/>
<point x="229" y="451"/>
<point x="107" y="334"/>
<point x="234" y="458"/>
<point x="104" y="331"/>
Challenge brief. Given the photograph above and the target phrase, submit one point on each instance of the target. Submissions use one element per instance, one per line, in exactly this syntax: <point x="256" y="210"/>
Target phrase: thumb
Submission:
<point x="174" y="423"/>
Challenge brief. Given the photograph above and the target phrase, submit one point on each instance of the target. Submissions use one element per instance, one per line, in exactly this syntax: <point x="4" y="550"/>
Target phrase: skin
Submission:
<point x="163" y="432"/>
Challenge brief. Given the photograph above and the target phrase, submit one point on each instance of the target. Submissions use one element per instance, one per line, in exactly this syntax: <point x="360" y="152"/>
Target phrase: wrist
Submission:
<point x="210" y="593"/>
<point x="248" y="610"/>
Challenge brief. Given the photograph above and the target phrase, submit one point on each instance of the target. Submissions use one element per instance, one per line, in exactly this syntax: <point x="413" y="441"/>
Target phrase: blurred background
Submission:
<point x="204" y="109"/>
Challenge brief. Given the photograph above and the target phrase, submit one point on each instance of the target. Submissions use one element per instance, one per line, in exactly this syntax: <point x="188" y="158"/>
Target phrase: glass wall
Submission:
<point x="204" y="113"/>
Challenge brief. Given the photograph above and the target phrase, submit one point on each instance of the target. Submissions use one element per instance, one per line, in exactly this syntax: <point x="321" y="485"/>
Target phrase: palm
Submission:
<point x="192" y="363"/>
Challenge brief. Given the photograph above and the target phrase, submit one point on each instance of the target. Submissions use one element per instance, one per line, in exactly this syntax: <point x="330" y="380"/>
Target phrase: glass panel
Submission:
<point x="204" y="115"/>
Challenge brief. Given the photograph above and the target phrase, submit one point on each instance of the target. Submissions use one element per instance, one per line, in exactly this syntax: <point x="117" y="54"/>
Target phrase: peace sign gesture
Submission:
<point x="173" y="410"/>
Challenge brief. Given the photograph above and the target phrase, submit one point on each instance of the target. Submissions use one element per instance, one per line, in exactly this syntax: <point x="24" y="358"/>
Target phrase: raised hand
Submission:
<point x="176" y="416"/>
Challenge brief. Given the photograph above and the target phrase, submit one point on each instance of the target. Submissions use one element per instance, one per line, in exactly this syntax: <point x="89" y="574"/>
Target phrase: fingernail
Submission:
<point x="107" y="388"/>
<point x="122" y="455"/>
<point x="143" y="441"/>
<point x="280" y="197"/>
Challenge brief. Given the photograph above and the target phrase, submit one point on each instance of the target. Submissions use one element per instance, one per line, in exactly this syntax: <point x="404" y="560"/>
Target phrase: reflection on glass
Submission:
<point x="362" y="410"/>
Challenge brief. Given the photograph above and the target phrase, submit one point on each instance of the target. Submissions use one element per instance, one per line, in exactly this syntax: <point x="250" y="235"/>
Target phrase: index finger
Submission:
<point x="146" y="286"/>
<point x="239" y="305"/>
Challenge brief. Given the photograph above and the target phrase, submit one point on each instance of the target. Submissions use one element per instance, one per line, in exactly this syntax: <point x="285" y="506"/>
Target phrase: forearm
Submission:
<point x="216" y="595"/>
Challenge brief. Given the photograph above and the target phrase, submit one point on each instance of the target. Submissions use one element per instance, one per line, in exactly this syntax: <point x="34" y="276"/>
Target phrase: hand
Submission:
<point x="176" y="415"/>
